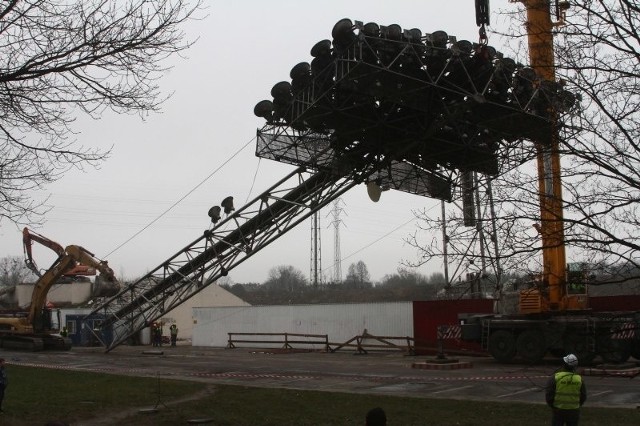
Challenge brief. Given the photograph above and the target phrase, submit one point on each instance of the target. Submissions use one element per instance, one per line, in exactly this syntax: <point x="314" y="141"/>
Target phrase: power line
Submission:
<point x="144" y="228"/>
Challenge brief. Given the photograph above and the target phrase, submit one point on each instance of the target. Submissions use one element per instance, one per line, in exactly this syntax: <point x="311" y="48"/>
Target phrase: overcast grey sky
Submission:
<point x="201" y="147"/>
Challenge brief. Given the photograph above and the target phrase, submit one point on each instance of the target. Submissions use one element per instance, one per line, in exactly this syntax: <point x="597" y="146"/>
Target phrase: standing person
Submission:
<point x="156" y="334"/>
<point x="153" y="334"/>
<point x="566" y="393"/>
<point x="174" y="334"/>
<point x="159" y="334"/>
<point x="3" y="382"/>
<point x="376" y="417"/>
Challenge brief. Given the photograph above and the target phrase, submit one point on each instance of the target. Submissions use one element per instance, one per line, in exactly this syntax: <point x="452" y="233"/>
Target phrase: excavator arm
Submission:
<point x="28" y="237"/>
<point x="71" y="256"/>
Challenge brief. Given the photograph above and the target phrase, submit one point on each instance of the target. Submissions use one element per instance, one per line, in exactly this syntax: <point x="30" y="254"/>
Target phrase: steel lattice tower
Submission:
<point x="337" y="256"/>
<point x="316" y="251"/>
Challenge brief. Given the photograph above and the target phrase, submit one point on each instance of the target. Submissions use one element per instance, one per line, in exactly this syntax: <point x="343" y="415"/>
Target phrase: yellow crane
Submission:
<point x="539" y="27"/>
<point x="550" y="318"/>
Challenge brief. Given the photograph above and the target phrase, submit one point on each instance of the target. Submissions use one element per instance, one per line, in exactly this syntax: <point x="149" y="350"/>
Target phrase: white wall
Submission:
<point x="341" y="322"/>
<point x="213" y="295"/>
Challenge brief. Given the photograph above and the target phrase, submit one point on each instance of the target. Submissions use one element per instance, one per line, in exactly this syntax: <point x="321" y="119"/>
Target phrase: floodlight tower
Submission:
<point x="407" y="110"/>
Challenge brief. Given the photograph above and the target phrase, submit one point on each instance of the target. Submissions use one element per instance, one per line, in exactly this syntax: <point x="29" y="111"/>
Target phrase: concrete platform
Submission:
<point x="460" y="377"/>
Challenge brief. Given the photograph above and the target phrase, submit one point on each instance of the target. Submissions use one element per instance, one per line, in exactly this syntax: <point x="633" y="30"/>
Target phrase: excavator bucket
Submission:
<point x="104" y="287"/>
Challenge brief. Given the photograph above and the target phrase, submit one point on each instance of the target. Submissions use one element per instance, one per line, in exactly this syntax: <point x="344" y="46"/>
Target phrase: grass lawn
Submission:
<point x="36" y="396"/>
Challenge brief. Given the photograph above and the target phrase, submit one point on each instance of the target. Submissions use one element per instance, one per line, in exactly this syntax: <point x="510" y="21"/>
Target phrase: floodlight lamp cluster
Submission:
<point x="430" y="99"/>
<point x="225" y="206"/>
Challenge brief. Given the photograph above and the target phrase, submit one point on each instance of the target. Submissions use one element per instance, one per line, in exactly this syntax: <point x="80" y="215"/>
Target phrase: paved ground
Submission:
<point x="374" y="373"/>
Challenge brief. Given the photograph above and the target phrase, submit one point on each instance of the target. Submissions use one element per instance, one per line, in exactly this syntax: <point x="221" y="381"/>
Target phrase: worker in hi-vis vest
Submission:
<point x="566" y="393"/>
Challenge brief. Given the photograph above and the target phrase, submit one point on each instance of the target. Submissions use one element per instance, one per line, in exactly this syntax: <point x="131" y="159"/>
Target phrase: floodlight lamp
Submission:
<point x="527" y="74"/>
<point x="343" y="32"/>
<point x="394" y="32"/>
<point x="508" y="65"/>
<point x="301" y="70"/>
<point x="414" y="35"/>
<point x="227" y="204"/>
<point x="371" y="29"/>
<point x="440" y="39"/>
<point x="321" y="48"/>
<point x="214" y="214"/>
<point x="300" y="77"/>
<point x="462" y="47"/>
<point x="374" y="191"/>
<point x="319" y="64"/>
<point x="489" y="51"/>
<point x="281" y="92"/>
<point x="264" y="109"/>
<point x="550" y="88"/>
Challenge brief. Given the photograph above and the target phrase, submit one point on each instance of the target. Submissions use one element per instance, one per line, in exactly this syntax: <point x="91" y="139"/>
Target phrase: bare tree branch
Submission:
<point x="59" y="58"/>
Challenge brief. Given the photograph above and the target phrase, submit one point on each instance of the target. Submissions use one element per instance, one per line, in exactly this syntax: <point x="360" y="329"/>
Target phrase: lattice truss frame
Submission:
<point x="425" y="107"/>
<point x="240" y="235"/>
<point x="312" y="150"/>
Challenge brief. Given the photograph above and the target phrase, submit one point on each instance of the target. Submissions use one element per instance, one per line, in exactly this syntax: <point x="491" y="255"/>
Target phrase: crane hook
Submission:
<point x="482" y="19"/>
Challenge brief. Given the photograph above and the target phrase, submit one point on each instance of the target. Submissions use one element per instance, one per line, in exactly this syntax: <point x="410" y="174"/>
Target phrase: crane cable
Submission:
<point x="181" y="199"/>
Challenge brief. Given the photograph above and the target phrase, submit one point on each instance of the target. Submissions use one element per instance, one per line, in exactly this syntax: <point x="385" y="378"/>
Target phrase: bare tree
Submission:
<point x="286" y="278"/>
<point x="13" y="271"/>
<point x="60" y="58"/>
<point x="599" y="58"/>
<point x="496" y="242"/>
<point x="358" y="275"/>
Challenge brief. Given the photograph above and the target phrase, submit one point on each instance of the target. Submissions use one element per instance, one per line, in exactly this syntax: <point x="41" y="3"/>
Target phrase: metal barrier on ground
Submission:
<point x="287" y="339"/>
<point x="362" y="343"/>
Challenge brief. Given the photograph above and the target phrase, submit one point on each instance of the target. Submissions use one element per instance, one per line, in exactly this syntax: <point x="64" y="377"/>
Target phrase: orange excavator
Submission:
<point x="34" y="329"/>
